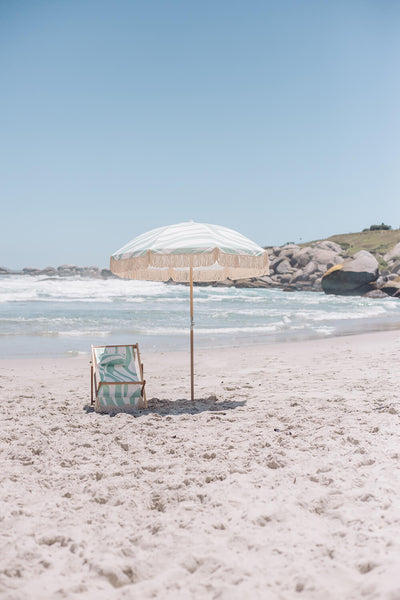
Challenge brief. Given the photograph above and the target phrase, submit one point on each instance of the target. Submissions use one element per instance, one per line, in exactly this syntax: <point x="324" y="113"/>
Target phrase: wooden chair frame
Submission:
<point x="94" y="388"/>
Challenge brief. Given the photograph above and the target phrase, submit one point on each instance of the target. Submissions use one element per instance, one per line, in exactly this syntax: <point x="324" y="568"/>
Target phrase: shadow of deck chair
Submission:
<point x="117" y="378"/>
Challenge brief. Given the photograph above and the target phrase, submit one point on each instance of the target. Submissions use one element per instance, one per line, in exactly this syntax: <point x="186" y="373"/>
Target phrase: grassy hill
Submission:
<point x="377" y="242"/>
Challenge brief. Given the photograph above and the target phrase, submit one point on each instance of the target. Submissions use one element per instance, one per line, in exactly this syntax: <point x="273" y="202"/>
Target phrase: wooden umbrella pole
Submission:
<point x="191" y="335"/>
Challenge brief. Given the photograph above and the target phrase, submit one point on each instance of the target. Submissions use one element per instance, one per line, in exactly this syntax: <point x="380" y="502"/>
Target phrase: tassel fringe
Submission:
<point x="210" y="266"/>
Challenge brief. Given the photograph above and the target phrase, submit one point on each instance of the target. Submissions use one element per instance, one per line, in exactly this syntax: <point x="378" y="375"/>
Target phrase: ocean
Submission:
<point x="42" y="316"/>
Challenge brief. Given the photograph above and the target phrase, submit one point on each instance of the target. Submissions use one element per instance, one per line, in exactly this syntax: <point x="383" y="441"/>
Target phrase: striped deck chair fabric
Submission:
<point x="117" y="377"/>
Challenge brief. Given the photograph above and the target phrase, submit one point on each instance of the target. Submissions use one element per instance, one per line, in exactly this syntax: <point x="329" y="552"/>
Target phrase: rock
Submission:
<point x="273" y="263"/>
<point x="107" y="274"/>
<point x="243" y="283"/>
<point x="260" y="283"/>
<point x="392" y="288"/>
<point x="323" y="268"/>
<point x="310" y="268"/>
<point x="326" y="257"/>
<point x="49" y="271"/>
<point x="297" y="276"/>
<point x="254" y="282"/>
<point x="285" y="278"/>
<point x="92" y="272"/>
<point x="30" y="271"/>
<point x="63" y="271"/>
<point x="383" y="279"/>
<point x="289" y="250"/>
<point x="301" y="258"/>
<point x="393" y="254"/>
<point x="304" y="275"/>
<point x="283" y="267"/>
<point x="224" y="283"/>
<point x="66" y="270"/>
<point x="375" y="294"/>
<point x="353" y="277"/>
<point x="316" y="285"/>
<point x="328" y="245"/>
<point x="275" y="251"/>
<point x="396" y="268"/>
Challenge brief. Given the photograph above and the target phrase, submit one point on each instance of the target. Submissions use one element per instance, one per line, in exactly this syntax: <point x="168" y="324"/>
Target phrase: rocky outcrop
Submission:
<point x="353" y="277"/>
<point x="5" y="271"/>
<point x="63" y="271"/>
<point x="295" y="268"/>
<point x="292" y="268"/>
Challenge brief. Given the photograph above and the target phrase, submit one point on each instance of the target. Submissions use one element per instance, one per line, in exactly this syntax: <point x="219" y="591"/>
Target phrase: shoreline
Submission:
<point x="68" y="317"/>
<point x="274" y="340"/>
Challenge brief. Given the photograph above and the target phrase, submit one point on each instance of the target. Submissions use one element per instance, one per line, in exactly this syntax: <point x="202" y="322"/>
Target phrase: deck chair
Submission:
<point x="117" y="378"/>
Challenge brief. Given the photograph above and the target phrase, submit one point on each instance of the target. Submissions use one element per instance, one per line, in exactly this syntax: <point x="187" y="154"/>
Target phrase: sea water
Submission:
<point x="42" y="316"/>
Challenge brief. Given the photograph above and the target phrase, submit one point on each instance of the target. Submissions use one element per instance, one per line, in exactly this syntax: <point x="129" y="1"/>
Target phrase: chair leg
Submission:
<point x="91" y="385"/>
<point x="144" y="395"/>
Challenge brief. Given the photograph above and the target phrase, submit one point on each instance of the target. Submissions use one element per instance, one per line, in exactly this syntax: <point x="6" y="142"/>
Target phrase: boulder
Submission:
<point x="304" y="275"/>
<point x="91" y="272"/>
<point x="49" y="271"/>
<point x="66" y="270"/>
<point x="353" y="277"/>
<point x="4" y="271"/>
<point x="396" y="267"/>
<point x="107" y="274"/>
<point x="274" y="251"/>
<point x="330" y="246"/>
<point x="302" y="257"/>
<point x="297" y="276"/>
<point x="224" y="283"/>
<point x="375" y="294"/>
<point x="252" y="282"/>
<point x="310" y="268"/>
<point x="322" y="268"/>
<point x="282" y="279"/>
<point x="30" y="271"/>
<point x="289" y="250"/>
<point x="283" y="267"/>
<point x="326" y="257"/>
<point x="392" y="288"/>
<point x="393" y="254"/>
<point x="273" y="263"/>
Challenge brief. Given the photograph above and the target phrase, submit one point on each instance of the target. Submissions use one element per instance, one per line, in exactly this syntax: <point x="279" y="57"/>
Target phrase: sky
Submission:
<point x="277" y="118"/>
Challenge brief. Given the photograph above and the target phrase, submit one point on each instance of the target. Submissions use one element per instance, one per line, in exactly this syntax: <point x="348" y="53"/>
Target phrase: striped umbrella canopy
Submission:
<point x="188" y="252"/>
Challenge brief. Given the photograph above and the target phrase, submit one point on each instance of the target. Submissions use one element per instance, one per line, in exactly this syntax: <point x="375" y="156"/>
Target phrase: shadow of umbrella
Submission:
<point x="175" y="407"/>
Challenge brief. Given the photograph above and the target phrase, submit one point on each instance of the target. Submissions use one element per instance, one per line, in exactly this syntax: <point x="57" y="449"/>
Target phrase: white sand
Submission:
<point x="286" y="486"/>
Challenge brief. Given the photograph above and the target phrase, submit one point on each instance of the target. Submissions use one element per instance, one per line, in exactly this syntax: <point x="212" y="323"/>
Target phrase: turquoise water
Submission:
<point x="42" y="316"/>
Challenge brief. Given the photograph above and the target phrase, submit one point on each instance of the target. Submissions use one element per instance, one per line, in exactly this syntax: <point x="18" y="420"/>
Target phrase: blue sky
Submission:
<point x="280" y="119"/>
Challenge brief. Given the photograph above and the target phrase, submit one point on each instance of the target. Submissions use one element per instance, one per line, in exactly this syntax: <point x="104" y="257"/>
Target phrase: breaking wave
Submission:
<point x="56" y="316"/>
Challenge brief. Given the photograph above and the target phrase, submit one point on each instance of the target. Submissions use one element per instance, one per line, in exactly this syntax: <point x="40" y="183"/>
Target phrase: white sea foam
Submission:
<point x="25" y="289"/>
<point x="60" y="315"/>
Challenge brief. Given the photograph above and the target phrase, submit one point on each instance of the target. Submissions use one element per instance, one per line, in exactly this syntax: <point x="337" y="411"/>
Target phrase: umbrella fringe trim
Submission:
<point x="157" y="267"/>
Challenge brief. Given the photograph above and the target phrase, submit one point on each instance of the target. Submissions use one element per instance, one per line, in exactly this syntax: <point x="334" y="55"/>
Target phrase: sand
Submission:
<point x="281" y="481"/>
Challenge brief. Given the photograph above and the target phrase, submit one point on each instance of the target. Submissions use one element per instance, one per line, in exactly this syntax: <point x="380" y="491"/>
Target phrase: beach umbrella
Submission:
<point x="190" y="252"/>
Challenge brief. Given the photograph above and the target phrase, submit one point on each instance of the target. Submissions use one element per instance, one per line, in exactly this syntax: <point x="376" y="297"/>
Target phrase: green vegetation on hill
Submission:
<point x="378" y="242"/>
